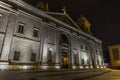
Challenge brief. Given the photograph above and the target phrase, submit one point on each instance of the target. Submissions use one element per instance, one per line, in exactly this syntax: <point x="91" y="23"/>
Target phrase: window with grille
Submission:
<point x="115" y="52"/>
<point x="33" y="56"/>
<point x="16" y="55"/>
<point x="35" y="32"/>
<point x="21" y="28"/>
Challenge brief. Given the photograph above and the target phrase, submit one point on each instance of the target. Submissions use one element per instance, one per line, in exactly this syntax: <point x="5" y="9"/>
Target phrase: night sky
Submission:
<point x="104" y="16"/>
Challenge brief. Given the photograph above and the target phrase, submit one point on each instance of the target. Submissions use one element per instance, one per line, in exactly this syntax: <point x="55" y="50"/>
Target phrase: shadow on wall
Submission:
<point x="106" y="56"/>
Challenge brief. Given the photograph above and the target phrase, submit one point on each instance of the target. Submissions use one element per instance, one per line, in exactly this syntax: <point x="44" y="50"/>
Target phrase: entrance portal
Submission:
<point x="64" y="61"/>
<point x="64" y="49"/>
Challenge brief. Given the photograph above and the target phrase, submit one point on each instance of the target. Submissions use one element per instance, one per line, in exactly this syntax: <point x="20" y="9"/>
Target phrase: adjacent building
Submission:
<point x="34" y="39"/>
<point x="114" y="51"/>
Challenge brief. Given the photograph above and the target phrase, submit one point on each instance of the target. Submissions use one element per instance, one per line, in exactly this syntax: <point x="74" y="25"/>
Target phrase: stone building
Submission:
<point x="34" y="39"/>
<point x="114" y="51"/>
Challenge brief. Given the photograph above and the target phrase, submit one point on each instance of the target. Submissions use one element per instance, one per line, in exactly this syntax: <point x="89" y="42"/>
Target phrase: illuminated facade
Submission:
<point x="114" y="51"/>
<point x="34" y="39"/>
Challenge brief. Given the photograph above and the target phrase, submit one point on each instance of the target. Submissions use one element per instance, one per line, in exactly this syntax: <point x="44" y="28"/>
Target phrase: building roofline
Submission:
<point x="42" y="13"/>
<point x="65" y="15"/>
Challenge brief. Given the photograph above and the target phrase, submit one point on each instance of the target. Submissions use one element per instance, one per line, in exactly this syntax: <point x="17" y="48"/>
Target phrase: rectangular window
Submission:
<point x="33" y="56"/>
<point x="116" y="55"/>
<point x="75" y="59"/>
<point x="88" y="61"/>
<point x="16" y="55"/>
<point x="81" y="46"/>
<point x="82" y="62"/>
<point x="86" y="47"/>
<point x="50" y="56"/>
<point x="35" y="33"/>
<point x="21" y="28"/>
<point x="96" y="50"/>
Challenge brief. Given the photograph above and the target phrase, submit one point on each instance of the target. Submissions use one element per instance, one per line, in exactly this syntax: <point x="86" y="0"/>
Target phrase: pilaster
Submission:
<point x="8" y="37"/>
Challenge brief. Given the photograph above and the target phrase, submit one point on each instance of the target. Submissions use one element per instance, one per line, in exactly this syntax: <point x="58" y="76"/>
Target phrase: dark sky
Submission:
<point x="104" y="16"/>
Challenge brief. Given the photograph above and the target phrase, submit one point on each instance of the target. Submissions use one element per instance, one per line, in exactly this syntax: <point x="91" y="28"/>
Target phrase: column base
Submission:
<point x="4" y="65"/>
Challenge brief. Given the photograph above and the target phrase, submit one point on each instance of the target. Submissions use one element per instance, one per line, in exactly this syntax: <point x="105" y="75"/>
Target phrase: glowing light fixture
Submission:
<point x="97" y="66"/>
<point x="44" y="67"/>
<point x="57" y="67"/>
<point x="81" y="67"/>
<point x="87" y="67"/>
<point x="25" y="67"/>
<point x="74" y="67"/>
<point x="91" y="66"/>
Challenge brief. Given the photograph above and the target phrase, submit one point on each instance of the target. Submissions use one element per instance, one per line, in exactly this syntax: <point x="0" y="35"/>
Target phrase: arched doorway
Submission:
<point x="64" y="51"/>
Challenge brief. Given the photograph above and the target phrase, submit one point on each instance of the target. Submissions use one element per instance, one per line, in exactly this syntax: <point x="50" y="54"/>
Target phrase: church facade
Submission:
<point x="34" y="39"/>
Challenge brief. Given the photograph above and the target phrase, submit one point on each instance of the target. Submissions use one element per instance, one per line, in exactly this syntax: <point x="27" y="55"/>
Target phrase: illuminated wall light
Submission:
<point x="97" y="66"/>
<point x="87" y="67"/>
<point x="57" y="67"/>
<point x="25" y="67"/>
<point x="91" y="66"/>
<point x="50" y="49"/>
<point x="101" y="66"/>
<point x="74" y="67"/>
<point x="81" y="67"/>
<point x="44" y="67"/>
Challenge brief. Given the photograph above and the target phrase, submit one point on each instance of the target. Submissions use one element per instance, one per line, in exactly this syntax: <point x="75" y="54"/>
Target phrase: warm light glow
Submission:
<point x="97" y="66"/>
<point x="101" y="66"/>
<point x="65" y="59"/>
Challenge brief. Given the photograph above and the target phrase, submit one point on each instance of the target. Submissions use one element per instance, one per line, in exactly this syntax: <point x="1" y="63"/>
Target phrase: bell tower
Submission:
<point x="84" y="24"/>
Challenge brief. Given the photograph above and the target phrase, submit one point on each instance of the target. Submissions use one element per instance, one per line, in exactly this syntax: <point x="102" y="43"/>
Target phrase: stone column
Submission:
<point x="44" y="46"/>
<point x="57" y="54"/>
